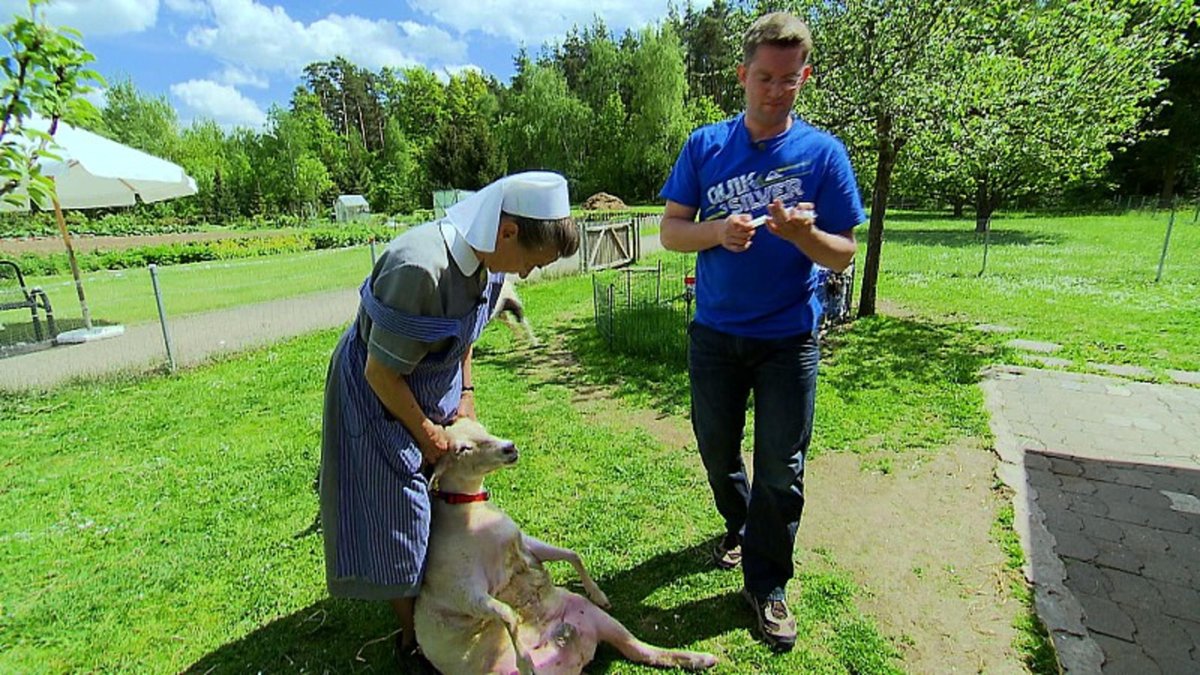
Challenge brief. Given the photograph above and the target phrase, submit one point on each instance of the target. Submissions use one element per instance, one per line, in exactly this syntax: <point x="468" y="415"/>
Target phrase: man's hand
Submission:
<point x="794" y="225"/>
<point x="736" y="232"/>
<point x="436" y="441"/>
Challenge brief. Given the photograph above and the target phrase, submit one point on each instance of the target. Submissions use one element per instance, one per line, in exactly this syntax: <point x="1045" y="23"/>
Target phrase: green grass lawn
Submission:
<point x="144" y="535"/>
<point x="177" y="538"/>
<point x="1087" y="283"/>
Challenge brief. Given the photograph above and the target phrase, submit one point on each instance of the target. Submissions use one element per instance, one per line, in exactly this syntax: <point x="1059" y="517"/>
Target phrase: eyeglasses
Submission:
<point x="789" y="83"/>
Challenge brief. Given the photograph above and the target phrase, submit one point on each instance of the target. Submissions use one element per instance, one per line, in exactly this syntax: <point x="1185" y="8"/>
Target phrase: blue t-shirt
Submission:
<point x="767" y="291"/>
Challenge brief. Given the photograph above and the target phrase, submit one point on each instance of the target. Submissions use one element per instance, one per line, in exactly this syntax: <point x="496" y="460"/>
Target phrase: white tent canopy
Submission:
<point x="94" y="172"/>
<point x="89" y="172"/>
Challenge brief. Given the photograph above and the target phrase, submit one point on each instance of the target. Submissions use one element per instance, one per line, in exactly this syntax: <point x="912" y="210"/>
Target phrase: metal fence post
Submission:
<point x="162" y="317"/>
<point x="372" y="242"/>
<point x="612" y="317"/>
<point x="658" y="284"/>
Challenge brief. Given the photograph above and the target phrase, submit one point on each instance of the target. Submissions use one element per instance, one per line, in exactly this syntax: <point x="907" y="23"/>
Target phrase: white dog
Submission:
<point x="510" y="304"/>
<point x="487" y="605"/>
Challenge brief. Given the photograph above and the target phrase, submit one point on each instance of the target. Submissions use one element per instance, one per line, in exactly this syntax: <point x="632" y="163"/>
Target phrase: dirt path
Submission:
<point x="917" y="540"/>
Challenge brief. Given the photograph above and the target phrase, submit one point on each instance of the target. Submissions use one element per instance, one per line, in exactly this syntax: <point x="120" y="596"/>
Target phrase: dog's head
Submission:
<point x="473" y="451"/>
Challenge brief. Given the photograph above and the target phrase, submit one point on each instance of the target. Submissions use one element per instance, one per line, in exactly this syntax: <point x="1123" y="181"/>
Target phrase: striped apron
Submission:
<point x="374" y="498"/>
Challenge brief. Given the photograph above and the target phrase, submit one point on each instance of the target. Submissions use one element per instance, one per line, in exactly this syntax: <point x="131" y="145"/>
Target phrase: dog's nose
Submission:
<point x="509" y="448"/>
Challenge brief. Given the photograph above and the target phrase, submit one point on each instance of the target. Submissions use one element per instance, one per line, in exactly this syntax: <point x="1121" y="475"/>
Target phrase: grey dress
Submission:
<point x="419" y="314"/>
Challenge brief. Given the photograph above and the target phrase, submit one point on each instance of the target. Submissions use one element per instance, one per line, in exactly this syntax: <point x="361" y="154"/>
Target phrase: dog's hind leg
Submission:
<point x="546" y="553"/>
<point x="611" y="631"/>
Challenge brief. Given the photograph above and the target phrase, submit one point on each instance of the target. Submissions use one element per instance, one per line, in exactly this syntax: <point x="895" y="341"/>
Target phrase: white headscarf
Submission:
<point x="532" y="194"/>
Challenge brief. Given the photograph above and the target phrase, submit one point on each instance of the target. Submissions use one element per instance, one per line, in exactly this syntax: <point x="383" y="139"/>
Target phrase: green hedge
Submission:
<point x="222" y="249"/>
<point x="129" y="223"/>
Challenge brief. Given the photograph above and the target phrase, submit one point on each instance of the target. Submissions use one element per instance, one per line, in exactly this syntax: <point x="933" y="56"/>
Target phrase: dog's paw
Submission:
<point x="598" y="598"/>
<point x="695" y="661"/>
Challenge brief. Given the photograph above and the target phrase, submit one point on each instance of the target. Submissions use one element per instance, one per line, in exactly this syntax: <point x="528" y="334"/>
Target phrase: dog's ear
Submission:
<point x="447" y="460"/>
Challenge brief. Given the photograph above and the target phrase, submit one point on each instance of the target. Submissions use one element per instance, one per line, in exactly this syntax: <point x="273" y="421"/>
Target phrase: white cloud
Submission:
<point x="241" y="77"/>
<point x="535" y="23"/>
<point x="222" y="103"/>
<point x="249" y="34"/>
<point x="92" y="17"/>
<point x="187" y="7"/>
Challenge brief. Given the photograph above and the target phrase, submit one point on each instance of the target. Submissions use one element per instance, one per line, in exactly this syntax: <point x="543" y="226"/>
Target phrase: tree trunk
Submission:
<point x="1170" y="173"/>
<point x="959" y="205"/>
<point x="887" y="151"/>
<point x="984" y="205"/>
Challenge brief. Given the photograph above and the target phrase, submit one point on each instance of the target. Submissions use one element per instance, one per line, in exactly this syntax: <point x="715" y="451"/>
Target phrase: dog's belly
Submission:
<point x="557" y="627"/>
<point x="568" y="637"/>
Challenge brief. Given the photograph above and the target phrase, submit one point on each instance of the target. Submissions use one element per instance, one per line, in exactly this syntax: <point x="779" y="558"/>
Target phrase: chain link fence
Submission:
<point x="644" y="311"/>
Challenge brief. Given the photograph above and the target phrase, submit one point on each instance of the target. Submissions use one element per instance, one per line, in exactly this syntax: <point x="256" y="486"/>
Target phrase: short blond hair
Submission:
<point x="778" y="29"/>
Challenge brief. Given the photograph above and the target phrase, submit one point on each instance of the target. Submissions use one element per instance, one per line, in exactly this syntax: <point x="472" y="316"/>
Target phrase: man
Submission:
<point x="757" y="310"/>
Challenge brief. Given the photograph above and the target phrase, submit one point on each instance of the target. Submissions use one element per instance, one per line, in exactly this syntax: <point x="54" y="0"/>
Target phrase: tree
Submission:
<point x="608" y="145"/>
<point x="292" y="176"/>
<point x="148" y="123"/>
<point x="417" y="101"/>
<point x="545" y="126"/>
<point x="879" y="73"/>
<point x="602" y="68"/>
<point x="1166" y="159"/>
<point x="466" y="153"/>
<point x="711" y="40"/>
<point x="399" y="181"/>
<point x="46" y="74"/>
<point x="350" y="97"/>
<point x="201" y="152"/>
<point x="1044" y="91"/>
<point x="658" y="123"/>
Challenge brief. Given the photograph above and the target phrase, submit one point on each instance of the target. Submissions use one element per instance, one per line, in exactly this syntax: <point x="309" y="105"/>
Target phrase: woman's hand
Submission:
<point x="466" y="405"/>
<point x="434" y="441"/>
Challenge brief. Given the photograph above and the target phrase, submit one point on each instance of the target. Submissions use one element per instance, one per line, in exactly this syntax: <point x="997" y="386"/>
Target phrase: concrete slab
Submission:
<point x="1034" y="346"/>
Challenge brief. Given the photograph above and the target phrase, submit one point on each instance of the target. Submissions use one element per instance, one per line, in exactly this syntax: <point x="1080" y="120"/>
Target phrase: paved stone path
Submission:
<point x="1107" y="480"/>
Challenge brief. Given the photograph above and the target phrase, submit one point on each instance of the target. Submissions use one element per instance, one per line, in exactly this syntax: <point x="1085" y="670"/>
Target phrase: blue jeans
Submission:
<point x="782" y="373"/>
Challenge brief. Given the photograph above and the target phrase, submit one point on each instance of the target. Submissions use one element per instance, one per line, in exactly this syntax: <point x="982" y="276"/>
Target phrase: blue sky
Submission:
<point x="229" y="60"/>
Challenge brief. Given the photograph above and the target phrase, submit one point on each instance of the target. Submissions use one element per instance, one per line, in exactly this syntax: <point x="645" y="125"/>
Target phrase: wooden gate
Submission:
<point x="607" y="244"/>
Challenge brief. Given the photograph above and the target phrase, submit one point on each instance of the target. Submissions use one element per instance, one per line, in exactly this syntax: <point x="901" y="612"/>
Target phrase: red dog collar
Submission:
<point x="459" y="498"/>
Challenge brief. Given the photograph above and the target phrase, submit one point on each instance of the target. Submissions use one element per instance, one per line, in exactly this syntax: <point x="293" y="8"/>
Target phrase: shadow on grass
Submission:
<point x="332" y="635"/>
<point x="336" y="635"/>
<point x="589" y="366"/>
<point x="969" y="238"/>
<point x="882" y="351"/>
<point x="676" y="626"/>
<point x="869" y="354"/>
<point x="920" y="216"/>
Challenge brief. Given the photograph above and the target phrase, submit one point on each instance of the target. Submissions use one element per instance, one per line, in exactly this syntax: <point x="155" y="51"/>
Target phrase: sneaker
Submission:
<point x="727" y="554"/>
<point x="776" y="624"/>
